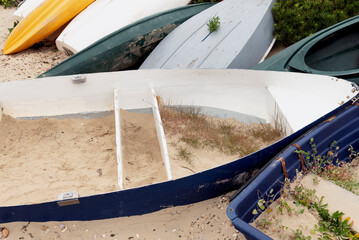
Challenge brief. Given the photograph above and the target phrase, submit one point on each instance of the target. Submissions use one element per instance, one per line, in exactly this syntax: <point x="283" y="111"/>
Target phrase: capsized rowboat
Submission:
<point x="332" y="51"/>
<point x="26" y="8"/>
<point x="242" y="39"/>
<point x="104" y="17"/>
<point x="246" y="95"/>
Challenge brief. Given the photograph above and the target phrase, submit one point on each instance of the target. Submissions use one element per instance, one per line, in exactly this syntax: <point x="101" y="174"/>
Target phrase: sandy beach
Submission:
<point x="29" y="63"/>
<point x="204" y="220"/>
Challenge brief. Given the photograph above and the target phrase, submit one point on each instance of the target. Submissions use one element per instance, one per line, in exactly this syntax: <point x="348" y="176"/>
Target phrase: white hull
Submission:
<point x="106" y="16"/>
<point x="242" y="39"/>
<point x="297" y="99"/>
<point x="26" y="8"/>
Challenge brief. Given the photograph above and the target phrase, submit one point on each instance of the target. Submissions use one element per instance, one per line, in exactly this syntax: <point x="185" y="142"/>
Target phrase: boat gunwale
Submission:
<point x="301" y="54"/>
<point x="253" y="184"/>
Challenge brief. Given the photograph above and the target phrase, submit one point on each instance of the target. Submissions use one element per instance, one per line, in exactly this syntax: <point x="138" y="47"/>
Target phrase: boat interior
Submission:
<point x="244" y="95"/>
<point x="336" y="52"/>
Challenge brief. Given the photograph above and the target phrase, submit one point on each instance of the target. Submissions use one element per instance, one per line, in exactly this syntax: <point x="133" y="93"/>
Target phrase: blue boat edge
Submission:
<point x="240" y="208"/>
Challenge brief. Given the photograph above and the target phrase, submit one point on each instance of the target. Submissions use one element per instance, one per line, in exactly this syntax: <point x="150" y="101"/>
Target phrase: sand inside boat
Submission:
<point x="142" y="160"/>
<point x="45" y="157"/>
<point x="196" y="142"/>
<point x="42" y="158"/>
<point x="295" y="220"/>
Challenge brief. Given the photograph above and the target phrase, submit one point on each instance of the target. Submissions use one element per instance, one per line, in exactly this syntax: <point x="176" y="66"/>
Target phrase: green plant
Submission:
<point x="316" y="163"/>
<point x="14" y="25"/>
<point x="330" y="168"/>
<point x="353" y="154"/>
<point x="264" y="202"/>
<point x="9" y="3"/>
<point x="297" y="19"/>
<point x="298" y="235"/>
<point x="213" y="24"/>
<point x="331" y="226"/>
<point x="184" y="154"/>
<point x="263" y="207"/>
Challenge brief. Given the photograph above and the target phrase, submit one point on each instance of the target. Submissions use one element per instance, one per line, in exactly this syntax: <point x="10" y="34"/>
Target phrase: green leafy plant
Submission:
<point x="297" y="19"/>
<point x="264" y="202"/>
<point x="298" y="235"/>
<point x="184" y="154"/>
<point x="14" y="25"/>
<point x="213" y="24"/>
<point x="331" y="226"/>
<point x="330" y="168"/>
<point x="9" y="3"/>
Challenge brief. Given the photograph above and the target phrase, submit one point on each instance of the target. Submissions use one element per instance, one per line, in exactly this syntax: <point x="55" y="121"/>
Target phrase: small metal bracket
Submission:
<point x="355" y="99"/>
<point x="355" y="86"/>
<point x="301" y="158"/>
<point x="68" y="198"/>
<point x="355" y="89"/>
<point x="283" y="167"/>
<point x="78" y="79"/>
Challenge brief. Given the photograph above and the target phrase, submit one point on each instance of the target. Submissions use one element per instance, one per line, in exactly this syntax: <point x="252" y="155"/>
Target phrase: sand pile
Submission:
<point x="42" y="158"/>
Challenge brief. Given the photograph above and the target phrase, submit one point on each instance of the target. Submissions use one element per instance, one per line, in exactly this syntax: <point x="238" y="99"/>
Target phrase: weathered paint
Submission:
<point x="104" y="17"/>
<point x="127" y="47"/>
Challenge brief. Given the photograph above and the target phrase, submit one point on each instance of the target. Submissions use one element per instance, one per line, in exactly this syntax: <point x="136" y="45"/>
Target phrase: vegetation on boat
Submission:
<point x="297" y="19"/>
<point x="196" y="131"/>
<point x="331" y="226"/>
<point x="330" y="168"/>
<point x="213" y="24"/>
<point x="294" y="199"/>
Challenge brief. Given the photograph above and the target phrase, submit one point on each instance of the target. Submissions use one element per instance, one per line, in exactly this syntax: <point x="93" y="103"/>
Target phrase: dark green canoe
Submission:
<point x="333" y="51"/>
<point x="127" y="47"/>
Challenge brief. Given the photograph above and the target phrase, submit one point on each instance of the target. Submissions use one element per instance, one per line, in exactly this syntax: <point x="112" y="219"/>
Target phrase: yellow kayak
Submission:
<point x="42" y="22"/>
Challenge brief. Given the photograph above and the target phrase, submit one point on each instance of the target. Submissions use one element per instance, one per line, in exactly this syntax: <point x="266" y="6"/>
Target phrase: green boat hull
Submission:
<point x="333" y="51"/>
<point x="127" y="47"/>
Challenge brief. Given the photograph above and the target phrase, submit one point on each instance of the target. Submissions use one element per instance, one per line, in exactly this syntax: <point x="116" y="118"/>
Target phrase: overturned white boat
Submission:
<point x="104" y="17"/>
<point x="243" y="37"/>
<point x="26" y="8"/>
